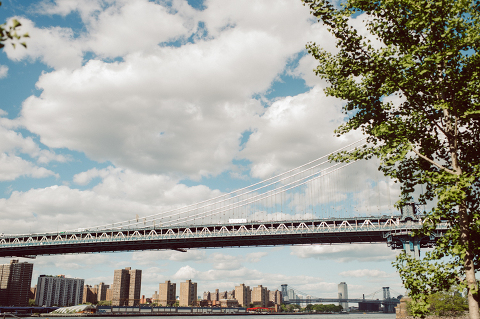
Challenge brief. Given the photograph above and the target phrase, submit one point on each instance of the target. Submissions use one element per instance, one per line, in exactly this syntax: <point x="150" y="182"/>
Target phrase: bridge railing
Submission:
<point x="386" y="226"/>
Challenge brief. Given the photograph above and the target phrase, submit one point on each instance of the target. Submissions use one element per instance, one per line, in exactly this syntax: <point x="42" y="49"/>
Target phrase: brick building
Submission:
<point x="188" y="294"/>
<point x="15" y="282"/>
<point x="127" y="284"/>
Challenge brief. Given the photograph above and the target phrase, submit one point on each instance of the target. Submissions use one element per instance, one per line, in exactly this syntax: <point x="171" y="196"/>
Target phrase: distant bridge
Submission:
<point x="387" y="302"/>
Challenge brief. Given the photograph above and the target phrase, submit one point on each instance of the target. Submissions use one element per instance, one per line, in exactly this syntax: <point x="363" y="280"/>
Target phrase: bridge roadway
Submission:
<point x="383" y="229"/>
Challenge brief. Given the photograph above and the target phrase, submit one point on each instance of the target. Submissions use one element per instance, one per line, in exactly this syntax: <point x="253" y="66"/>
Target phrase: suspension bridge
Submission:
<point x="315" y="203"/>
<point x="365" y="303"/>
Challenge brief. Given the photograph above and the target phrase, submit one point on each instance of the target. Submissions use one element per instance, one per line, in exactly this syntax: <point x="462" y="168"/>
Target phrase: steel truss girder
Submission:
<point x="301" y="232"/>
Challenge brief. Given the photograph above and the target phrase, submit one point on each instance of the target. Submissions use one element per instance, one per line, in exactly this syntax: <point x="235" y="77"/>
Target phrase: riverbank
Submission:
<point x="103" y="315"/>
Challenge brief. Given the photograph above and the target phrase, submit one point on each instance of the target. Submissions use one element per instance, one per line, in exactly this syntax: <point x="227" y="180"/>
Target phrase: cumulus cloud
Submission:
<point x="3" y="71"/>
<point x="120" y="195"/>
<point x="188" y="116"/>
<point x="17" y="153"/>
<point x="301" y="126"/>
<point x="57" y="47"/>
<point x="256" y="257"/>
<point x="366" y="273"/>
<point x="86" y="177"/>
<point x="172" y="255"/>
<point x="218" y="260"/>
<point x="126" y="27"/>
<point x="72" y="262"/>
<point x="86" y="8"/>
<point x="345" y="253"/>
<point x="185" y="273"/>
<point x="12" y="167"/>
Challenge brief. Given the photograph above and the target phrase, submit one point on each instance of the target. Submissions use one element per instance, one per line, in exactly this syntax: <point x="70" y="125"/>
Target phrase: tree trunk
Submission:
<point x="468" y="264"/>
<point x="464" y="219"/>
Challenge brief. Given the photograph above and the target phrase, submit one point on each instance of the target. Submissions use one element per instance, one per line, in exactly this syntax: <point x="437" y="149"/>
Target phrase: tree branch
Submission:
<point x="433" y="162"/>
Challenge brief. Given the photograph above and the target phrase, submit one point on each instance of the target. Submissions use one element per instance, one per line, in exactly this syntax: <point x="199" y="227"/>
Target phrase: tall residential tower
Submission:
<point x="59" y="291"/>
<point x="15" y="281"/>
<point x="167" y="293"/>
<point x="188" y="293"/>
<point x="127" y="284"/>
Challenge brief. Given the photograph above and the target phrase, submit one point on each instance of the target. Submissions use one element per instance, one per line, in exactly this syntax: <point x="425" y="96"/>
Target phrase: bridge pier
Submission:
<point x="403" y="240"/>
<point x="411" y="245"/>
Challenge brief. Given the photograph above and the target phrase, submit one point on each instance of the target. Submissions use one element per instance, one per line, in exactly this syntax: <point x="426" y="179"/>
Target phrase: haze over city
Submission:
<point x="118" y="109"/>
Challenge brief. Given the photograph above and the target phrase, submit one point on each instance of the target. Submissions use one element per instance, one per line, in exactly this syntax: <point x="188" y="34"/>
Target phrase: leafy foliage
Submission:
<point x="104" y="303"/>
<point x="413" y="87"/>
<point x="311" y="308"/>
<point x="323" y="308"/>
<point x="447" y="304"/>
<point x="10" y="33"/>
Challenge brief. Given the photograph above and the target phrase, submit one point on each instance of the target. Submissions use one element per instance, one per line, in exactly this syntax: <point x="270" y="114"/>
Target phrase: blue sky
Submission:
<point x="118" y="108"/>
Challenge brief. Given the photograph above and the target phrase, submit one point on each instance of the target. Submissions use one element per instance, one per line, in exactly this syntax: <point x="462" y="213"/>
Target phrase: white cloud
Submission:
<point x="256" y="257"/>
<point x="301" y="127"/>
<point x="345" y="253"/>
<point x="120" y="195"/>
<point x="13" y="146"/>
<point x="198" y="100"/>
<point x="57" y="47"/>
<point x="12" y="167"/>
<point x="85" y="178"/>
<point x="367" y="273"/>
<point x="71" y="262"/>
<point x="3" y="71"/>
<point x="127" y="26"/>
<point x="218" y="260"/>
<point x="86" y="8"/>
<point x="185" y="273"/>
<point x="14" y="142"/>
<point x="172" y="255"/>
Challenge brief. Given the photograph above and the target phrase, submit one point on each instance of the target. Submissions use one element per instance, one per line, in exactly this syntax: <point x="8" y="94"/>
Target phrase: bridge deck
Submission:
<point x="299" y="232"/>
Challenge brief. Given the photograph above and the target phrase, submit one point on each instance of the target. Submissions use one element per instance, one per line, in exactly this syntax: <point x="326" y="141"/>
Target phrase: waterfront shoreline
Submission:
<point x="63" y="315"/>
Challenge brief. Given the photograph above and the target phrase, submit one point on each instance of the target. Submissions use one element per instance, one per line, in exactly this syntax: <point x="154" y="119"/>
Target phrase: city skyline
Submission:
<point x="125" y="290"/>
<point x="101" y="125"/>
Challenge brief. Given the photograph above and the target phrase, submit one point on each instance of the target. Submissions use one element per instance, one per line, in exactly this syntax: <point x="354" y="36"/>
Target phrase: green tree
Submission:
<point x="104" y="303"/>
<point x="428" y="62"/>
<point x="449" y="303"/>
<point x="9" y="33"/>
<point x="327" y="308"/>
<point x="309" y="308"/>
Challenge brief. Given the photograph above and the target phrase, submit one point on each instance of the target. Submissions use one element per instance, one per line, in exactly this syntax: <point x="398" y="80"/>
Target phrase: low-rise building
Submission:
<point x="228" y="303"/>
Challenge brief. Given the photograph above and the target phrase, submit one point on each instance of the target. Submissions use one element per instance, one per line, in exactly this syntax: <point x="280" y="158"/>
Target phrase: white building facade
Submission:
<point x="343" y="294"/>
<point x="59" y="291"/>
